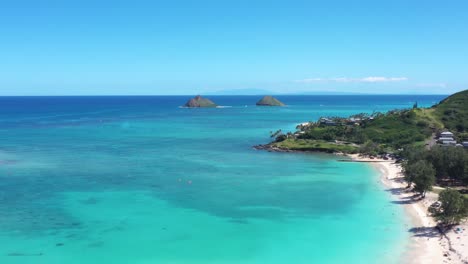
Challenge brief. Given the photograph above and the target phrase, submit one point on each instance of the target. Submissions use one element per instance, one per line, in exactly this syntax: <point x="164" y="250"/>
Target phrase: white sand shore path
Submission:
<point x="427" y="245"/>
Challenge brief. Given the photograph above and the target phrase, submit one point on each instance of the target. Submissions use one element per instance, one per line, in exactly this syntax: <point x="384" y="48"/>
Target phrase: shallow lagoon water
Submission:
<point x="140" y="180"/>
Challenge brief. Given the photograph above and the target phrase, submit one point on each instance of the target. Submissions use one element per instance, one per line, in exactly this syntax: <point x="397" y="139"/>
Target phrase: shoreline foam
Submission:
<point x="426" y="245"/>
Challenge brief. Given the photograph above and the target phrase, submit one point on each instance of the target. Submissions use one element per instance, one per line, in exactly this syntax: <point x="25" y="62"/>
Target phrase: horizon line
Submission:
<point x="273" y="94"/>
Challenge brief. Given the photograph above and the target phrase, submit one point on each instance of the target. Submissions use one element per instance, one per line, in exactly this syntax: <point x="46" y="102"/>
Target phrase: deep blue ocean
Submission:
<point x="117" y="179"/>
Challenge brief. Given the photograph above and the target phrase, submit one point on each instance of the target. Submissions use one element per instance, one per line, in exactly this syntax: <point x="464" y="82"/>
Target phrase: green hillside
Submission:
<point x="453" y="112"/>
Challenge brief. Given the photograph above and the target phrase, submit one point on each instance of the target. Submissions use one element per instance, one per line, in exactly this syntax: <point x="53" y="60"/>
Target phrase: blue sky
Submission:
<point x="189" y="47"/>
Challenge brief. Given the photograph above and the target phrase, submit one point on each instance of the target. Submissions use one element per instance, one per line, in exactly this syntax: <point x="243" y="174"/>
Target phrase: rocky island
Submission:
<point x="199" y="101"/>
<point x="269" y="101"/>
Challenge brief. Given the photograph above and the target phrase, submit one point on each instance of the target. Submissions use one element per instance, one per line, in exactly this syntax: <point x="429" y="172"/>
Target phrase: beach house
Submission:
<point x="354" y="121"/>
<point x="449" y="143"/>
<point x="327" y="121"/>
<point x="446" y="139"/>
<point x="446" y="134"/>
<point x="441" y="139"/>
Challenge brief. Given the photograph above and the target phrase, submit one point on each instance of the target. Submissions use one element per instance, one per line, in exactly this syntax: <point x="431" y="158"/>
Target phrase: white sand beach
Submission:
<point x="427" y="244"/>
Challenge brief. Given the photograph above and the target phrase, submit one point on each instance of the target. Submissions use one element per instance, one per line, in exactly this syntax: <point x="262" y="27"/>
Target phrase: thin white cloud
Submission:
<point x="432" y="85"/>
<point x="383" y="79"/>
<point x="371" y="79"/>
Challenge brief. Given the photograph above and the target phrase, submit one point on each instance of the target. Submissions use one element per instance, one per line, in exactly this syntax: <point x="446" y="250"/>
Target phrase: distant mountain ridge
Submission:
<point x="254" y="91"/>
<point x="241" y="92"/>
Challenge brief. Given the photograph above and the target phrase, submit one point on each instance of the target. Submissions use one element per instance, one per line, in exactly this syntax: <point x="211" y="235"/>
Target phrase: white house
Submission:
<point x="446" y="139"/>
<point x="449" y="142"/>
<point x="327" y="121"/>
<point x="446" y="134"/>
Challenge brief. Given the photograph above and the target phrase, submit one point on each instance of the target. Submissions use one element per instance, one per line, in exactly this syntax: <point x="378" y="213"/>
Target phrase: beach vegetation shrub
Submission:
<point x="451" y="207"/>
<point x="421" y="174"/>
<point x="281" y="137"/>
<point x="424" y="179"/>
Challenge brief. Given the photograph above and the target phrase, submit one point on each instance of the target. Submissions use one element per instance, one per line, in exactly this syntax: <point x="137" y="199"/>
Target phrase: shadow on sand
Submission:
<point x="409" y="200"/>
<point x="404" y="200"/>
<point x="425" y="232"/>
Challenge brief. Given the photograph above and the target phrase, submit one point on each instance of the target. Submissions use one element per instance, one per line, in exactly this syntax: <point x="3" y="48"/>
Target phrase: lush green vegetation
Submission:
<point x="422" y="174"/>
<point x="383" y="133"/>
<point x="450" y="164"/>
<point x="451" y="208"/>
<point x="453" y="113"/>
<point x="446" y="165"/>
<point x="391" y="130"/>
<point x="315" y="145"/>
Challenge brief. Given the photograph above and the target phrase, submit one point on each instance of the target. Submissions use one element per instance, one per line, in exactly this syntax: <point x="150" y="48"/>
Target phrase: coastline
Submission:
<point x="426" y="245"/>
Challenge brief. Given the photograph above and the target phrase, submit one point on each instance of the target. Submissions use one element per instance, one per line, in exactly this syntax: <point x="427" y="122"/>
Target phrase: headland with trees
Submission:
<point x="416" y="138"/>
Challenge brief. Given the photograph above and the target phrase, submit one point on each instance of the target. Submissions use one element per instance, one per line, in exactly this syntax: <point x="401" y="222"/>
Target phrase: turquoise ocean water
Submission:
<point x="140" y="180"/>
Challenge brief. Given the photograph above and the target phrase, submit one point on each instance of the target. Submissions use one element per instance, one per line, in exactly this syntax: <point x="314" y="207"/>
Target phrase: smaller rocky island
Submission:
<point x="269" y="101"/>
<point x="199" y="101"/>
